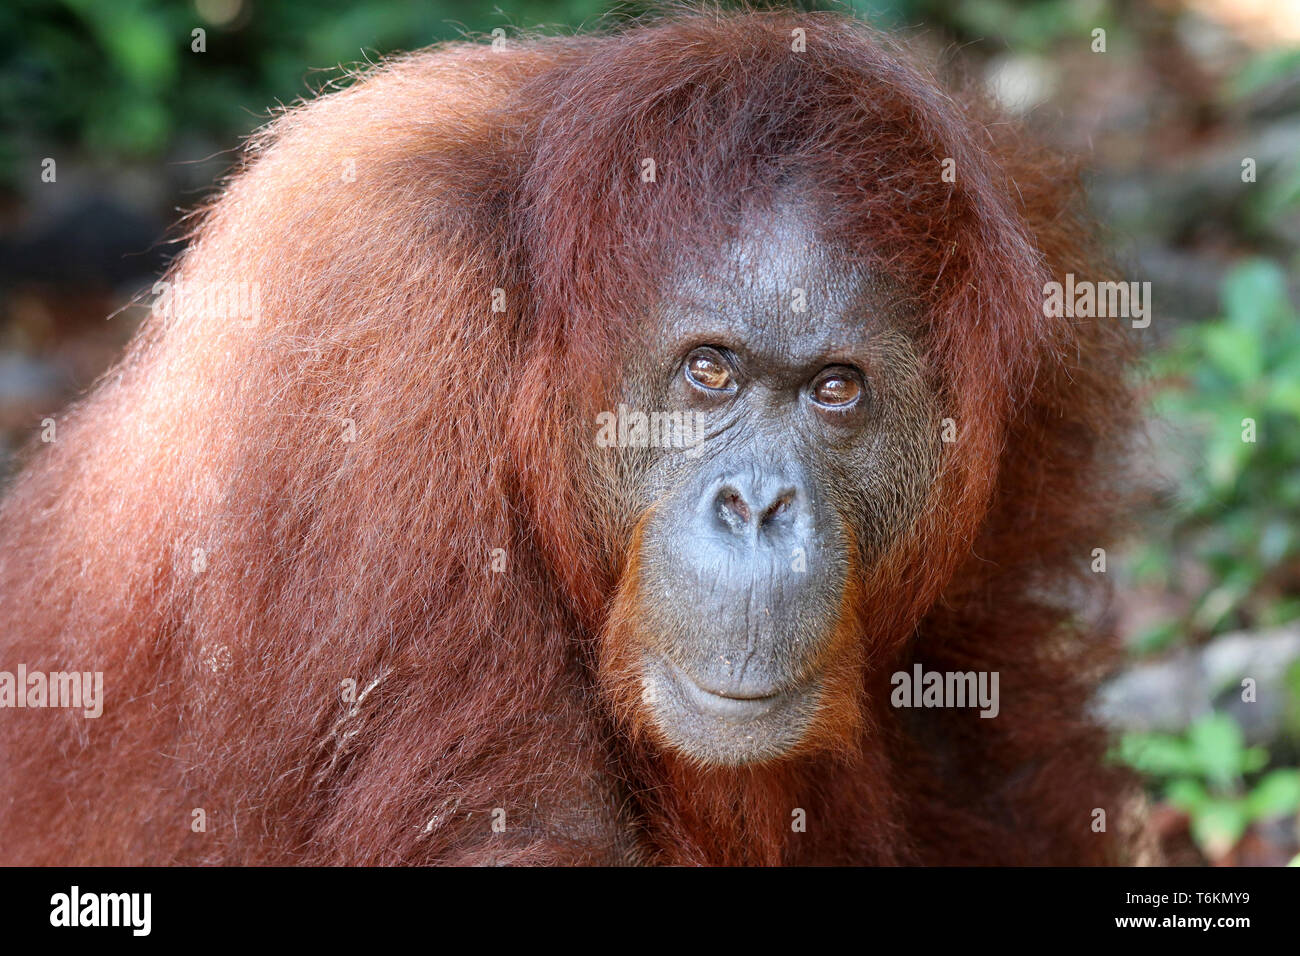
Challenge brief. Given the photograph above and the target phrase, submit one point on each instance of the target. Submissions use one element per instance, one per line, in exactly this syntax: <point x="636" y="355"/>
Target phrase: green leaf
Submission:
<point x="1254" y="760"/>
<point x="1218" y="825"/>
<point x="1187" y="794"/>
<point x="1254" y="294"/>
<point x="1216" y="605"/>
<point x="1276" y="795"/>
<point x="1157" y="637"/>
<point x="1159" y="755"/>
<point x="1270" y="66"/>
<point x="1284" y="396"/>
<point x="1218" y="746"/>
<point x="1236" y="351"/>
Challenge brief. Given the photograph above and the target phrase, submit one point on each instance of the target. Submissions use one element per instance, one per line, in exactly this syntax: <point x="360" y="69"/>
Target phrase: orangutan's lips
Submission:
<point x="735" y="703"/>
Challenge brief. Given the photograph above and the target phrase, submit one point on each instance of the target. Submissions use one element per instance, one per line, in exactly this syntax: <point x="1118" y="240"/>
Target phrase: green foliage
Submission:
<point x="1231" y="541"/>
<point x="1030" y="26"/>
<point x="120" y="78"/>
<point x="1205" y="774"/>
<point x="1236" y="522"/>
<point x="1276" y="196"/>
<point x="1263" y="70"/>
<point x="1291" y="713"/>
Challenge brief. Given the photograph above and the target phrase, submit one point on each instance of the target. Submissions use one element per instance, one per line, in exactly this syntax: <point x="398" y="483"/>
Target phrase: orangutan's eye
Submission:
<point x="709" y="369"/>
<point x="837" y="387"/>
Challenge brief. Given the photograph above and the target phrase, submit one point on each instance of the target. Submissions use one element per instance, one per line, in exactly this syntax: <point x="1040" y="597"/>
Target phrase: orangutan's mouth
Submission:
<point x="739" y="702"/>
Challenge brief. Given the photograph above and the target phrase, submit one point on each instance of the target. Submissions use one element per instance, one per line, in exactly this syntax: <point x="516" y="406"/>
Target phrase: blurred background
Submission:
<point x="1189" y="122"/>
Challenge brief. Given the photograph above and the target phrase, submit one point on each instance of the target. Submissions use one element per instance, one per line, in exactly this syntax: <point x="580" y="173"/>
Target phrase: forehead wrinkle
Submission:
<point x="747" y="290"/>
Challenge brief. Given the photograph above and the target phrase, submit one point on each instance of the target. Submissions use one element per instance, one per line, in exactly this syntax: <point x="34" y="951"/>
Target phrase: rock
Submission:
<point x="1168" y="695"/>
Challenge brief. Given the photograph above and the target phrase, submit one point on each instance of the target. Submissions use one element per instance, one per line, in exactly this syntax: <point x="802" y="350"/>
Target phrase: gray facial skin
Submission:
<point x="749" y="538"/>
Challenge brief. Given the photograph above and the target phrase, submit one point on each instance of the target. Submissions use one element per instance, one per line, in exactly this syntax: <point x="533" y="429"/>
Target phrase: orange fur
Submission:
<point x="330" y="560"/>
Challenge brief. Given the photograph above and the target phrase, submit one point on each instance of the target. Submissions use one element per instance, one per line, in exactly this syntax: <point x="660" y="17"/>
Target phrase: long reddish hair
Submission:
<point x="337" y="673"/>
